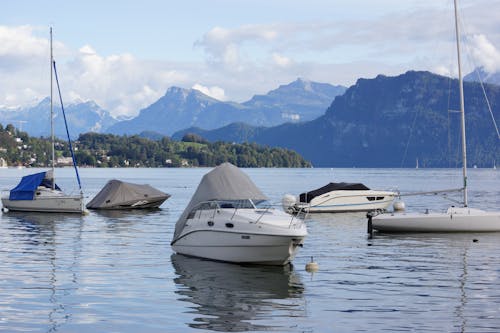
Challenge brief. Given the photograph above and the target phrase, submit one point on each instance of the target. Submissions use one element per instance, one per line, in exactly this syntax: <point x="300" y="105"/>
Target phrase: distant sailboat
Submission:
<point x="416" y="165"/>
<point x="39" y="192"/>
<point x="455" y="219"/>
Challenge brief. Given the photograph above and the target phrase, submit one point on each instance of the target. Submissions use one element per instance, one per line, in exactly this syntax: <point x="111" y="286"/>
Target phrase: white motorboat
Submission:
<point x="39" y="192"/>
<point x="455" y="219"/>
<point x="226" y="220"/>
<point x="339" y="197"/>
<point x="117" y="194"/>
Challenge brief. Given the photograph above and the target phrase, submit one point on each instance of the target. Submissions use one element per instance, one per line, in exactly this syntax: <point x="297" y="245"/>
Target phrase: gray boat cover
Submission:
<point x="225" y="182"/>
<point x="117" y="193"/>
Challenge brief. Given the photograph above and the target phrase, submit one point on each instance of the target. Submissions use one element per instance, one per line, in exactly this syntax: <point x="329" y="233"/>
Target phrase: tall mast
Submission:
<point x="52" y="111"/>
<point x="462" y="109"/>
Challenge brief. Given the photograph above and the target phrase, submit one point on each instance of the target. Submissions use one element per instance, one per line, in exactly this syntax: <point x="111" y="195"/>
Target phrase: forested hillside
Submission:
<point x="107" y="150"/>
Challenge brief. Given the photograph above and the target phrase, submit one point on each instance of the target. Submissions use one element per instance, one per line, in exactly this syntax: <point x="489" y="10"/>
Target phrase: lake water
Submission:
<point x="116" y="272"/>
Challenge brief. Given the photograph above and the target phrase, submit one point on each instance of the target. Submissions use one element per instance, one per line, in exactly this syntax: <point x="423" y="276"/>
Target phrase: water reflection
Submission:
<point x="127" y="213"/>
<point x="51" y="247"/>
<point x="232" y="298"/>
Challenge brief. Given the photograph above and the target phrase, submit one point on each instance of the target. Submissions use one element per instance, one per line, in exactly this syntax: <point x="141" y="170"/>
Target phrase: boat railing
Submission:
<point x="216" y="205"/>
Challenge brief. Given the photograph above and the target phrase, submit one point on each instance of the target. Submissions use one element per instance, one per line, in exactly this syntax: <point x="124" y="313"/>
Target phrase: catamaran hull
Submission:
<point x="73" y="204"/>
<point x="239" y="247"/>
<point x="433" y="222"/>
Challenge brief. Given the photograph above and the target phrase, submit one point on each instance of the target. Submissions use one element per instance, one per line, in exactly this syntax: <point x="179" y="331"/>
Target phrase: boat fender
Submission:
<point x="5" y="210"/>
<point x="399" y="206"/>
<point x="312" y="266"/>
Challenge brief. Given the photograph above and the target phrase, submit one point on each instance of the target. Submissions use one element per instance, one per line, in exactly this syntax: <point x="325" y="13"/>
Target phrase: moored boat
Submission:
<point x="117" y="194"/>
<point x="226" y="220"/>
<point x="340" y="197"/>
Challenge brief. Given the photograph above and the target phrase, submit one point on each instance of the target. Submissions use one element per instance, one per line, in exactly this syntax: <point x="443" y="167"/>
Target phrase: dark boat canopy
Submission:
<point x="26" y="188"/>
<point x="308" y="196"/>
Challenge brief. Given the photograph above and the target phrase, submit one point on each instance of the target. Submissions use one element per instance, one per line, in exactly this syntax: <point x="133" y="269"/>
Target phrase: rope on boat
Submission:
<point x="431" y="192"/>
<point x="66" y="125"/>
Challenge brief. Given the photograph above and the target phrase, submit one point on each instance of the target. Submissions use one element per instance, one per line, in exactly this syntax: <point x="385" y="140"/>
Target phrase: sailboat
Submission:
<point x="39" y="192"/>
<point x="455" y="219"/>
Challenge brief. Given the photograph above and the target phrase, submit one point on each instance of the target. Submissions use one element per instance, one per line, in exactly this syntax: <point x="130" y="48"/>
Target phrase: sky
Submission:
<point x="125" y="54"/>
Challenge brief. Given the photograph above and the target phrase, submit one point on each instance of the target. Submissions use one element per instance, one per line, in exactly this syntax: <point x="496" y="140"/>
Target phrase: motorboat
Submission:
<point x="117" y="194"/>
<point x="228" y="219"/>
<point x="39" y="193"/>
<point x="454" y="219"/>
<point x="339" y="197"/>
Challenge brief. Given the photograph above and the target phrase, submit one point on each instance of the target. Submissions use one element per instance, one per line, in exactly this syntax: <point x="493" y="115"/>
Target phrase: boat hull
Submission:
<point x="136" y="204"/>
<point x="454" y="220"/>
<point x="59" y="204"/>
<point x="254" y="236"/>
<point x="237" y="247"/>
<point x="349" y="201"/>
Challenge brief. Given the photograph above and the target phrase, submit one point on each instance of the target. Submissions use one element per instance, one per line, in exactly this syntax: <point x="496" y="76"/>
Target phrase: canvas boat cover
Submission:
<point x="308" y="196"/>
<point x="117" y="193"/>
<point x="26" y="188"/>
<point x="225" y="182"/>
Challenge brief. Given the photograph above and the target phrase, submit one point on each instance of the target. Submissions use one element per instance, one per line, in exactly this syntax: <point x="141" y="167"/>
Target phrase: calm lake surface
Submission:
<point x="116" y="272"/>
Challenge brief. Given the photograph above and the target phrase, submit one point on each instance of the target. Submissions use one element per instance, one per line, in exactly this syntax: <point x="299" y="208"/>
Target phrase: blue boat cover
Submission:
<point x="26" y="188"/>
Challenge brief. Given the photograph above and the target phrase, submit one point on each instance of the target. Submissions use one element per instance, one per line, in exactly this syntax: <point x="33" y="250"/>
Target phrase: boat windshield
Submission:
<point x="262" y="204"/>
<point x="240" y="204"/>
<point x="236" y="204"/>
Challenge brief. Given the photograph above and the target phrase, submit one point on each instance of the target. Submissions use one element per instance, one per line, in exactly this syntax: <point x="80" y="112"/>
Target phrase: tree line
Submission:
<point x="108" y="150"/>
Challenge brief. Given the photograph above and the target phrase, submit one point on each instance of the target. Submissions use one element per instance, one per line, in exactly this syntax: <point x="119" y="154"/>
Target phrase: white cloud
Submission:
<point x="485" y="53"/>
<point x="223" y="46"/>
<point x="20" y="42"/>
<point x="237" y="62"/>
<point x="214" y="92"/>
<point x="281" y="61"/>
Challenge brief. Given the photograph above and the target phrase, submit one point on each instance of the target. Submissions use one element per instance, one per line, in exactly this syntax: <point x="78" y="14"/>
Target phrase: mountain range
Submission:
<point x="81" y="117"/>
<point x="387" y="122"/>
<point x="379" y="122"/>
<point x="180" y="108"/>
<point x="480" y="74"/>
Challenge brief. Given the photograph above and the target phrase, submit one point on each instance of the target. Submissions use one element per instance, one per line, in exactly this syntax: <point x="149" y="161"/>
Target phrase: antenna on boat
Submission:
<point x="52" y="112"/>
<point x="462" y="111"/>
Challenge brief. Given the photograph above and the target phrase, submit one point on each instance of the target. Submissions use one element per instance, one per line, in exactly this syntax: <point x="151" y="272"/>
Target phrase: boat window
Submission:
<point x="262" y="204"/>
<point x="371" y="198"/>
<point x="380" y="198"/>
<point x="238" y="204"/>
<point x="191" y="215"/>
<point x="206" y="206"/>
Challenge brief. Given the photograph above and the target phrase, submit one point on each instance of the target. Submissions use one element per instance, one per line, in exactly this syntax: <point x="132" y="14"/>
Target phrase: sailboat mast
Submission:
<point x="462" y="108"/>
<point x="52" y="111"/>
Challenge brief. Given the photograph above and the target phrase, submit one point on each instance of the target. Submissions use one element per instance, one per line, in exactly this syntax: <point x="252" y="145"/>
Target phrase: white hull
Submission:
<point x="49" y="205"/>
<point x="349" y="201"/>
<point x="242" y="236"/>
<point x="454" y="220"/>
<point x="239" y="247"/>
